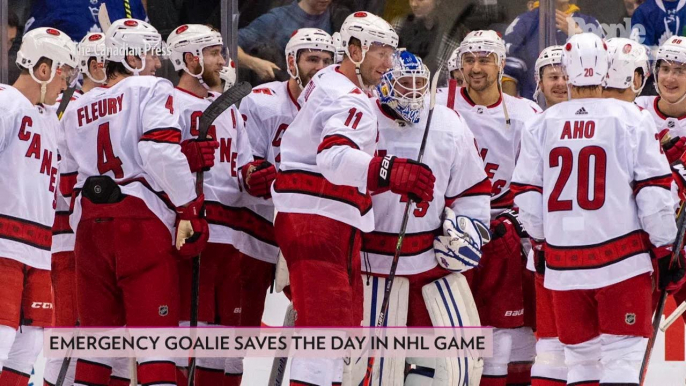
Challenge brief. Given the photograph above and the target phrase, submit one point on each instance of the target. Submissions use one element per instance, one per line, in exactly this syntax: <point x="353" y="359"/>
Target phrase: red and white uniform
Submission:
<point x="461" y="184"/>
<point x="498" y="144"/>
<point x="28" y="166"/>
<point x="138" y="160"/>
<point x="326" y="151"/>
<point x="63" y="237"/>
<point x="222" y="185"/>
<point x="268" y="111"/>
<point x="571" y="155"/>
<point x="676" y="126"/>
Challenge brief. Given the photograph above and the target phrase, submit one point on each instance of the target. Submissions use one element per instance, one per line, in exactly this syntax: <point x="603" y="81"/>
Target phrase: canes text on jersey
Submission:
<point x="34" y="151"/>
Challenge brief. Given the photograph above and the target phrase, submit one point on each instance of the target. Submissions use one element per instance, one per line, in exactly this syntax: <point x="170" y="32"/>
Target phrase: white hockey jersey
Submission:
<point x="326" y="151"/>
<point x="227" y="219"/>
<point x="28" y="176"/>
<point x="461" y="184"/>
<point x="676" y="126"/>
<point x="63" y="237"/>
<point x="592" y="181"/>
<point x="130" y="132"/>
<point x="498" y="141"/>
<point x="267" y="111"/>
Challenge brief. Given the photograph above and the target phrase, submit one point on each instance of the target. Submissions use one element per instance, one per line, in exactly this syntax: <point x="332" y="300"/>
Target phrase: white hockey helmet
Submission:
<point x="131" y="37"/>
<point x="483" y="41"/>
<point x="307" y="39"/>
<point x="228" y="74"/>
<point x="47" y="43"/>
<point x="340" y="50"/>
<point x="368" y="29"/>
<point x="91" y="46"/>
<point x="453" y="63"/>
<point x="625" y="57"/>
<point x="585" y="60"/>
<point x="192" y="38"/>
<point x="549" y="56"/>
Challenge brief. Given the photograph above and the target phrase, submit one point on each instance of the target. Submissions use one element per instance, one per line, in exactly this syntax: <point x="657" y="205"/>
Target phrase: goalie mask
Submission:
<point x="403" y="88"/>
<point x="228" y="74"/>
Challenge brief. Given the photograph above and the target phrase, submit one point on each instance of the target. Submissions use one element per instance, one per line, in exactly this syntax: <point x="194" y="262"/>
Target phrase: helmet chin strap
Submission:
<point x="135" y="71"/>
<point x="44" y="84"/>
<point x="199" y="76"/>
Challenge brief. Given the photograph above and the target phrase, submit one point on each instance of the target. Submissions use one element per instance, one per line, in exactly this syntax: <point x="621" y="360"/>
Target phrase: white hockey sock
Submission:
<point x="621" y="358"/>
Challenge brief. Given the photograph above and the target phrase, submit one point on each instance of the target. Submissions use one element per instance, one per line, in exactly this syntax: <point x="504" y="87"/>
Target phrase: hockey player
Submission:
<point x="501" y="282"/>
<point x="133" y="186"/>
<point x="321" y="193"/>
<point x="462" y="188"/>
<point x="549" y="77"/>
<point x="628" y="69"/>
<point x="229" y="280"/>
<point x="583" y="162"/>
<point x="454" y="67"/>
<point x="90" y="57"/>
<point x="28" y="151"/>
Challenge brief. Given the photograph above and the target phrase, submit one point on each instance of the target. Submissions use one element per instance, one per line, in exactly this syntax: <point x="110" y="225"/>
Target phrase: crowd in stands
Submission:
<point x="432" y="29"/>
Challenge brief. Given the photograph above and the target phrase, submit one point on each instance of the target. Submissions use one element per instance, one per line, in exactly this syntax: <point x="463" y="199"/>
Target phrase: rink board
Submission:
<point x="668" y="366"/>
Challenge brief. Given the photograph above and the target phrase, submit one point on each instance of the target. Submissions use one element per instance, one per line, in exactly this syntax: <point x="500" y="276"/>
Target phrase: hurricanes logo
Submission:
<point x="630" y="319"/>
<point x="163" y="310"/>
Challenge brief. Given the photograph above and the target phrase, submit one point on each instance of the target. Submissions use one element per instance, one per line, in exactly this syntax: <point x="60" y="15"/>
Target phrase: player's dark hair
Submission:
<point x="638" y="71"/>
<point x="582" y="89"/>
<point x="354" y="42"/>
<point x="116" y="68"/>
<point x="43" y="59"/>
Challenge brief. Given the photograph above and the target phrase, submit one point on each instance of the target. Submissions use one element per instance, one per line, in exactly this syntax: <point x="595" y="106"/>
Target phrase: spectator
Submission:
<point x="78" y="17"/>
<point x="631" y="5"/>
<point x="521" y="38"/>
<point x="275" y="28"/>
<point x="12" y="28"/>
<point x="655" y="21"/>
<point x="417" y="31"/>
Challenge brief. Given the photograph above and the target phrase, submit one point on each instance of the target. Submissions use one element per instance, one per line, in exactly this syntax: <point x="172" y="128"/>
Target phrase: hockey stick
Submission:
<point x="401" y="235"/>
<point x="211" y="113"/>
<point x="673" y="316"/>
<point x="279" y="364"/>
<point x="66" y="98"/>
<point x="676" y="249"/>
<point x="104" y="18"/>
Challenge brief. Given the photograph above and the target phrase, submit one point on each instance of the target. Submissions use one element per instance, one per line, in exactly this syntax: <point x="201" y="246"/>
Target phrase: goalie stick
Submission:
<point x="401" y="235"/>
<point x="673" y="316"/>
<point x="211" y="113"/>
<point x="279" y="364"/>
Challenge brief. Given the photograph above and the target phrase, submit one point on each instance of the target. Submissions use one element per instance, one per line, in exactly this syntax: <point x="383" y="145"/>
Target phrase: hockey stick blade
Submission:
<point x="279" y="364"/>
<point x="66" y="98"/>
<point x="221" y="104"/>
<point x="104" y="18"/>
<point x="401" y="235"/>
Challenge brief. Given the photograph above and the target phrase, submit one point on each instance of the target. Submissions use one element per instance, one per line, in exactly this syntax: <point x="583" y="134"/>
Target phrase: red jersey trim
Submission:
<point x="518" y="189"/>
<point x="469" y="100"/>
<point x="240" y="219"/>
<point x="168" y="135"/>
<point x="189" y="92"/>
<point x="61" y="224"/>
<point x="660" y="113"/>
<point x="505" y="201"/>
<point x="336" y="140"/>
<point x="452" y="90"/>
<point x="664" y="182"/>
<point x="385" y="243"/>
<point x="314" y="184"/>
<point x="291" y="97"/>
<point x="67" y="182"/>
<point x="597" y="255"/>
<point x="26" y="232"/>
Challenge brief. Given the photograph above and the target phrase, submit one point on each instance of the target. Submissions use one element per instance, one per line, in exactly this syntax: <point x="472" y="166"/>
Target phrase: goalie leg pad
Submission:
<point x="450" y="303"/>
<point x="282" y="280"/>
<point x="389" y="370"/>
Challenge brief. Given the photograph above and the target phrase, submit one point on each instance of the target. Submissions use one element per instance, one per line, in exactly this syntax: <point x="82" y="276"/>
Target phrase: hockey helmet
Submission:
<point x="228" y="74"/>
<point x="625" y="57"/>
<point x="549" y="56"/>
<point x="406" y="101"/>
<point x="91" y="46"/>
<point x="307" y="39"/>
<point x="131" y="37"/>
<point x="585" y="60"/>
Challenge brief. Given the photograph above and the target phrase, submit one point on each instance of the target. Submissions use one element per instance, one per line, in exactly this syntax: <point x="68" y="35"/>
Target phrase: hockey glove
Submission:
<point x="512" y="215"/>
<point x="200" y="154"/>
<point x="192" y="230"/>
<point x="459" y="249"/>
<point x="670" y="277"/>
<point x="539" y="255"/>
<point x="401" y="176"/>
<point x="505" y="241"/>
<point x="258" y="177"/>
<point x="674" y="148"/>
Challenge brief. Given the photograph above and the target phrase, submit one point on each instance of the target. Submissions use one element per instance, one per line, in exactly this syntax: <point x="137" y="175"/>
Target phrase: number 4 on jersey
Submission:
<point x="107" y="161"/>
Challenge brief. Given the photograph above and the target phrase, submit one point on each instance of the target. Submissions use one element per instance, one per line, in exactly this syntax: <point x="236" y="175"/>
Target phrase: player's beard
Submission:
<point x="305" y="77"/>
<point x="211" y="79"/>
<point x="485" y="84"/>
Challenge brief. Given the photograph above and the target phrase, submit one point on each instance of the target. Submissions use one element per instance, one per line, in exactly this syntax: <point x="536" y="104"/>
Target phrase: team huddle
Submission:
<point x="553" y="227"/>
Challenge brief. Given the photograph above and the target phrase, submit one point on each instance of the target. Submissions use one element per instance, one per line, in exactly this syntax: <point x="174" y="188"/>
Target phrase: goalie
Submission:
<point x="434" y="251"/>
